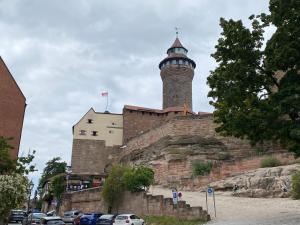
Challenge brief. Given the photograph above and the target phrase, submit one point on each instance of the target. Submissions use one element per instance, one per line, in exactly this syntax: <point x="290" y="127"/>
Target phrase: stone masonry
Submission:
<point x="140" y="203"/>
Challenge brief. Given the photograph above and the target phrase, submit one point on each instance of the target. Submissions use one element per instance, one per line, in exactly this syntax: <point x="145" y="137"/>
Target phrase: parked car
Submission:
<point x="70" y="216"/>
<point x="106" y="219"/>
<point x="16" y="216"/>
<point x="52" y="220"/>
<point x="128" y="219"/>
<point x="33" y="218"/>
<point x="89" y="218"/>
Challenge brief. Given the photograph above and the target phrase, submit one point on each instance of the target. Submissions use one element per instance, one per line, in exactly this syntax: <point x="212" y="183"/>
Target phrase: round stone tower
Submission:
<point x="177" y="72"/>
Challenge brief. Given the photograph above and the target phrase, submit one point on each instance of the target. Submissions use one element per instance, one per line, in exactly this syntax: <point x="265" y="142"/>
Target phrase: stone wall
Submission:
<point x="177" y="86"/>
<point x="178" y="173"/>
<point x="91" y="156"/>
<point x="136" y="123"/>
<point x="139" y="203"/>
<point x="12" y="108"/>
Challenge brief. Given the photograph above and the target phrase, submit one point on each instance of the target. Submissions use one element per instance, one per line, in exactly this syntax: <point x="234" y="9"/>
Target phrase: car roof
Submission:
<point x="125" y="214"/>
<point x="52" y="218"/>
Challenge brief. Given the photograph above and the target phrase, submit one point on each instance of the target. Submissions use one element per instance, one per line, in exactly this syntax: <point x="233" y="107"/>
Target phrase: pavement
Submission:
<point x="240" y="210"/>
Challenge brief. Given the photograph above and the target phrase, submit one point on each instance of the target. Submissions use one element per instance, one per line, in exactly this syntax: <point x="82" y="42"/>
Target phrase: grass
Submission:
<point x="270" y="162"/>
<point x="202" y="168"/>
<point x="167" y="220"/>
<point x="296" y="185"/>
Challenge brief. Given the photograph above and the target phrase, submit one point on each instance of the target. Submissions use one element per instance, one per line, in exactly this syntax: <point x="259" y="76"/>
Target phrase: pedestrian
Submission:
<point x="179" y="195"/>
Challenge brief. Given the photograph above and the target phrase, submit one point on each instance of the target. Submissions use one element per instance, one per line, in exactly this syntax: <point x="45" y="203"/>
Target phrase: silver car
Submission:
<point x="71" y="215"/>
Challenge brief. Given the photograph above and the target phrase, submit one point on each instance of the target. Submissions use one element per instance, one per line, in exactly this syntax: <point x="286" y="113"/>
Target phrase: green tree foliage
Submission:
<point x="58" y="186"/>
<point x="202" y="168"/>
<point x="114" y="186"/>
<point x="12" y="193"/>
<point x="138" y="179"/>
<point x="7" y="164"/>
<point x="296" y="185"/>
<point x="122" y="178"/>
<point x="250" y="102"/>
<point x="53" y="167"/>
<point x="270" y="162"/>
<point x="23" y="165"/>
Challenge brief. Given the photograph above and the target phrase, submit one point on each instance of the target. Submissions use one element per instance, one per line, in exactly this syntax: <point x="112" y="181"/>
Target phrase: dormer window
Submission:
<point x="82" y="132"/>
<point x="94" y="133"/>
<point x="89" y="121"/>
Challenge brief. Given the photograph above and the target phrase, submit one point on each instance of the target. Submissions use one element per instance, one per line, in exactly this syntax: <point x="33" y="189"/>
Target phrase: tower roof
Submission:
<point x="177" y="44"/>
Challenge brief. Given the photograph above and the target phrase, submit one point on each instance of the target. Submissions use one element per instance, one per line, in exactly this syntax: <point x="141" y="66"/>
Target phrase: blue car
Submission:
<point x="89" y="218"/>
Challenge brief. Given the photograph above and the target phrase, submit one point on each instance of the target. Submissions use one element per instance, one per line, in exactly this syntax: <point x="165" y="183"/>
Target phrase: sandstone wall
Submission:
<point x="136" y="123"/>
<point x="139" y="203"/>
<point x="91" y="156"/>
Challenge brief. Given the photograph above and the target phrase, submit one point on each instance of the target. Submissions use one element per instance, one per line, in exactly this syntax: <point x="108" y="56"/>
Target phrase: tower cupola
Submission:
<point x="177" y="72"/>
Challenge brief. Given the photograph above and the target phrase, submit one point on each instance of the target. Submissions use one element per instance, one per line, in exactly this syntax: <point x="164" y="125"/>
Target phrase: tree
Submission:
<point x="114" y="186"/>
<point x="53" y="167"/>
<point x="138" y="179"/>
<point x="250" y="100"/>
<point x="58" y="186"/>
<point x="7" y="164"/>
<point x="12" y="193"/>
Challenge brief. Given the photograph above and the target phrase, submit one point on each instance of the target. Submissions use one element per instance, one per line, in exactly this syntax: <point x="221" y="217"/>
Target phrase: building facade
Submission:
<point x="12" y="108"/>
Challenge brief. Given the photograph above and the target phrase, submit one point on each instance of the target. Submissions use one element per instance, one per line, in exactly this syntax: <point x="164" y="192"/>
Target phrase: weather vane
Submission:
<point x="177" y="30"/>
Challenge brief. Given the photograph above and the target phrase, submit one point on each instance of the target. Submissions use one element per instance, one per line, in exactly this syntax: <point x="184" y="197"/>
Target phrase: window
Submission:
<point x="113" y="123"/>
<point x="82" y="132"/>
<point x="90" y="121"/>
<point x="94" y="133"/>
<point x="180" y="61"/>
<point x="111" y="131"/>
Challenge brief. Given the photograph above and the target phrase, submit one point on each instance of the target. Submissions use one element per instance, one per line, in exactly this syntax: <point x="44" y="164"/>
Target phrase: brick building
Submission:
<point x="12" y="108"/>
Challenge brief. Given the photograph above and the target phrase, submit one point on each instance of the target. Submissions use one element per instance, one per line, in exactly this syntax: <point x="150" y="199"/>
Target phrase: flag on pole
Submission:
<point x="104" y="94"/>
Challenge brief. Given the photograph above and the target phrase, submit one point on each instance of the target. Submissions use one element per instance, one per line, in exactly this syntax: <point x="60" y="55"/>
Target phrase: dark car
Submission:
<point x="16" y="216"/>
<point x="34" y="218"/>
<point x="52" y="220"/>
<point x="106" y="219"/>
<point x="89" y="218"/>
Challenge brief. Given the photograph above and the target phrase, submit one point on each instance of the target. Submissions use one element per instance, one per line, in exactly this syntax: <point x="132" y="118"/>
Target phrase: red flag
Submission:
<point x="104" y="94"/>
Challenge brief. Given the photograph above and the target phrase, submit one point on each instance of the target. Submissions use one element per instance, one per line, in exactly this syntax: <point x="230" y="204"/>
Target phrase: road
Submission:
<point x="242" y="211"/>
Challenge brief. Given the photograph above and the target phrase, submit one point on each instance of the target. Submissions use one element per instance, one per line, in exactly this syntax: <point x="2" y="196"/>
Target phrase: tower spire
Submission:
<point x="177" y="31"/>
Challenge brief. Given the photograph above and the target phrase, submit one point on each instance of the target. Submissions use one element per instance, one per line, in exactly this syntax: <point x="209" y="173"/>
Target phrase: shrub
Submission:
<point x="138" y="179"/>
<point x="270" y="162"/>
<point x="167" y="220"/>
<point x="202" y="168"/>
<point x="296" y="185"/>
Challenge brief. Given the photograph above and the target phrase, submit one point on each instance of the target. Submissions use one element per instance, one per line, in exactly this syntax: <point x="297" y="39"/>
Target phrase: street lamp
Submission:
<point x="29" y="189"/>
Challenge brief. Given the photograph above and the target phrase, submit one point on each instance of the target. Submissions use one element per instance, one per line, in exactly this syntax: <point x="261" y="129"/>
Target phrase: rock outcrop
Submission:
<point x="263" y="182"/>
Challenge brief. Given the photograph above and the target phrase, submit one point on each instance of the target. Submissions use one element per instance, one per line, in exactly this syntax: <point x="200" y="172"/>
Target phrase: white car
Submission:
<point x="128" y="219"/>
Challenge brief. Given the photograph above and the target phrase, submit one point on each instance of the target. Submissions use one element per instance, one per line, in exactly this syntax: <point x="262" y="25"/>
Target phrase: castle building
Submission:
<point x="99" y="136"/>
<point x="12" y="108"/>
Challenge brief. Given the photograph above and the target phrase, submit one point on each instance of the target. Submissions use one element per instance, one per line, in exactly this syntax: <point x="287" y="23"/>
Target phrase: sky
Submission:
<point x="63" y="54"/>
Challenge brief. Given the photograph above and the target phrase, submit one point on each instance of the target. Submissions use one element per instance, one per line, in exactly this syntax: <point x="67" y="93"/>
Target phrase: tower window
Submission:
<point x="90" y="121"/>
<point x="82" y="132"/>
<point x="94" y="133"/>
<point x="180" y="61"/>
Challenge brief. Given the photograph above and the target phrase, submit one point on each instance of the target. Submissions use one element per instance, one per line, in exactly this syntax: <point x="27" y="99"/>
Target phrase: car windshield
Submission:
<point x="121" y="217"/>
<point x="68" y="213"/>
<point x="106" y="216"/>
<point x="17" y="212"/>
<point x="39" y="215"/>
<point x="55" y="222"/>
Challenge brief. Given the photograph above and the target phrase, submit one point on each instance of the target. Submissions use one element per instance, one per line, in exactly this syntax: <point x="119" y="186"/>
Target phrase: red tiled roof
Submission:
<point x="161" y="111"/>
<point x="177" y="44"/>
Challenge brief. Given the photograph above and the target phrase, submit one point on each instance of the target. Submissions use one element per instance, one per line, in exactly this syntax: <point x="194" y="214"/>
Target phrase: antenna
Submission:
<point x="177" y="31"/>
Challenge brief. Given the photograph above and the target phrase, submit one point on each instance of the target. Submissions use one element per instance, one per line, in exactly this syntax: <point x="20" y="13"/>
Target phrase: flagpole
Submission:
<point x="106" y="102"/>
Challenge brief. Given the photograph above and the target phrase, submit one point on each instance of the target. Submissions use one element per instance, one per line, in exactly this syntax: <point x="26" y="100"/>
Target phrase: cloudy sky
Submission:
<point x="63" y="54"/>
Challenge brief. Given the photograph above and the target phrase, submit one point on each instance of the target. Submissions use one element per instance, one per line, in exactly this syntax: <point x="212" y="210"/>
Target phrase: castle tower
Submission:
<point x="177" y="72"/>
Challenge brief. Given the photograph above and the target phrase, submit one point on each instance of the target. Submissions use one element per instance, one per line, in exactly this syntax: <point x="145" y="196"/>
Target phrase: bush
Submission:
<point x="270" y="162"/>
<point x="296" y="185"/>
<point x="138" y="179"/>
<point x="202" y="168"/>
